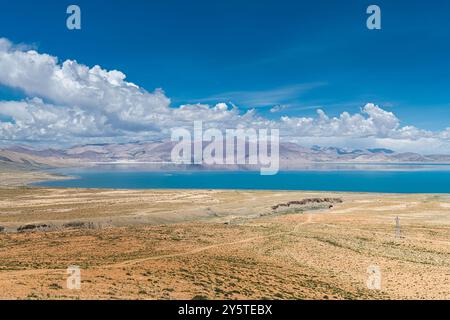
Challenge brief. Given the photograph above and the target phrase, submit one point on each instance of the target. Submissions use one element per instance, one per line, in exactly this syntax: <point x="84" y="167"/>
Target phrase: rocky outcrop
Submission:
<point x="78" y="225"/>
<point x="309" y="203"/>
<point x="33" y="227"/>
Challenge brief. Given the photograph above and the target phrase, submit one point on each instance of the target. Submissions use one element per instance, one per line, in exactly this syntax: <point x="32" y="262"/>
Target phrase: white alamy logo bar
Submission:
<point x="247" y="146"/>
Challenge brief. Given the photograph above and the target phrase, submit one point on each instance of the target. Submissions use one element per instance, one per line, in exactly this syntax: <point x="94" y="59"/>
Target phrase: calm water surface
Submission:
<point x="431" y="179"/>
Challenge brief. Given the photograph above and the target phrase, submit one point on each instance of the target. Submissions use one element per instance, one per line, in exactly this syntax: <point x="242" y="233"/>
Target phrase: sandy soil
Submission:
<point x="10" y="177"/>
<point x="198" y="244"/>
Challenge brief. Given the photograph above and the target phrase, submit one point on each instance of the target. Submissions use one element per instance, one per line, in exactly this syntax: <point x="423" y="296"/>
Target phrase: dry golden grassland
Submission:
<point x="191" y="244"/>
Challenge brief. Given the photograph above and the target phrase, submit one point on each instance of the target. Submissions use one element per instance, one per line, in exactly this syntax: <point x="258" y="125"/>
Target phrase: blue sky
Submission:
<point x="257" y="54"/>
<point x="202" y="49"/>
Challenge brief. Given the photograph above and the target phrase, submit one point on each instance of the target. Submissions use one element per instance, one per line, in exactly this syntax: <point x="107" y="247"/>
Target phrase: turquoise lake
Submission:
<point x="424" y="179"/>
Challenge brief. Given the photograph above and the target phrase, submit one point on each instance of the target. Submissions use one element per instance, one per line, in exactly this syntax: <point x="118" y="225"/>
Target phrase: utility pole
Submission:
<point x="397" y="228"/>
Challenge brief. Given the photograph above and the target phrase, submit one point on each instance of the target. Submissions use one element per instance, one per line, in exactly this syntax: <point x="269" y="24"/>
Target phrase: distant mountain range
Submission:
<point x="291" y="155"/>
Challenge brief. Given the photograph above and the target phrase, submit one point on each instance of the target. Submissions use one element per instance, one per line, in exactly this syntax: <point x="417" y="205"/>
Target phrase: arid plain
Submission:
<point x="214" y="244"/>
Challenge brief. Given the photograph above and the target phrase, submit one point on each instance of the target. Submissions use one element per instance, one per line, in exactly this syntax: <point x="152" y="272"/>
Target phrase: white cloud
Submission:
<point x="76" y="85"/>
<point x="35" y="120"/>
<point x="377" y="122"/>
<point x="70" y="102"/>
<point x="278" y="108"/>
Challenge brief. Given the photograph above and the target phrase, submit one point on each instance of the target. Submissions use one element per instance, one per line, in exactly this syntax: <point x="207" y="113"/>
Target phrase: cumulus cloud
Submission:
<point x="372" y="121"/>
<point x="34" y="120"/>
<point x="70" y="102"/>
<point x="76" y="85"/>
